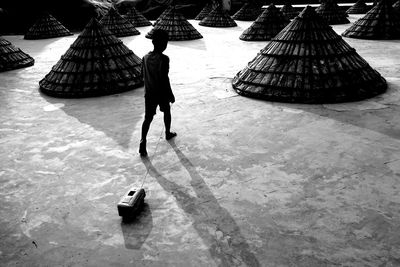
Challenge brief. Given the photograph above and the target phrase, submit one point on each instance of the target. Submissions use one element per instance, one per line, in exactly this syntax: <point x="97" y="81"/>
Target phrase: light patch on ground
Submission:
<point x="53" y="107"/>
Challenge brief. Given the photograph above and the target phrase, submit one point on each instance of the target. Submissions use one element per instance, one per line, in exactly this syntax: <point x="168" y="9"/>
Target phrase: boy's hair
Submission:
<point x="159" y="36"/>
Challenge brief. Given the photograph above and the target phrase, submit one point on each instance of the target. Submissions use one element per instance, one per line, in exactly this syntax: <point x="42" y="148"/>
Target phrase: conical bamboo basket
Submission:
<point x="96" y="64"/>
<point x="12" y="57"/>
<point x="118" y="25"/>
<point x="382" y="22"/>
<point x="307" y="62"/>
<point x="266" y="26"/>
<point x="46" y="27"/>
<point x="136" y="18"/>
<point x="177" y="27"/>
<point x="218" y="18"/>
<point x="331" y="12"/>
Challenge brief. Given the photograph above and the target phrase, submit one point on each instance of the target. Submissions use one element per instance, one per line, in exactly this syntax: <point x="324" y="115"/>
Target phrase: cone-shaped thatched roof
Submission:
<point x="136" y="18"/>
<point x="381" y="22"/>
<point x="266" y="26"/>
<point x="205" y="11"/>
<point x="332" y="13"/>
<point x="308" y="62"/>
<point x="46" y="27"/>
<point x="248" y="12"/>
<point x="97" y="63"/>
<point x="118" y="25"/>
<point x="166" y="11"/>
<point x="289" y="11"/>
<point x="218" y="18"/>
<point x="178" y="28"/>
<point x="358" y="8"/>
<point x="13" y="58"/>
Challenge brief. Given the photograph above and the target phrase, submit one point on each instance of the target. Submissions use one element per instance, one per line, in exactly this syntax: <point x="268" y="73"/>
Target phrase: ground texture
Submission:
<point x="246" y="182"/>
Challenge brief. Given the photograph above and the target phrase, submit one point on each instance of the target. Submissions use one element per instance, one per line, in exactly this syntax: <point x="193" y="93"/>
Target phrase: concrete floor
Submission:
<point x="246" y="182"/>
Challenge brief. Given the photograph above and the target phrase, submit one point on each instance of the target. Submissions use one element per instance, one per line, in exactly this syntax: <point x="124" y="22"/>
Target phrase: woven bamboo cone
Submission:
<point x="307" y="62"/>
<point x="332" y="13"/>
<point x="382" y="22"/>
<point x="248" y="12"/>
<point x="118" y="25"/>
<point x="46" y="27"/>
<point x="266" y="26"/>
<point x="136" y="18"/>
<point x="166" y="11"/>
<point x="12" y="57"/>
<point x="218" y="18"/>
<point x="289" y="11"/>
<point x="177" y="27"/>
<point x="96" y="64"/>
<point x="205" y="11"/>
<point x="358" y="8"/>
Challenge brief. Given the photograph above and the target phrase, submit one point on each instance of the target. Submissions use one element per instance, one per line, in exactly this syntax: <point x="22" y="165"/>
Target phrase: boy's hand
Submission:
<point x="172" y="99"/>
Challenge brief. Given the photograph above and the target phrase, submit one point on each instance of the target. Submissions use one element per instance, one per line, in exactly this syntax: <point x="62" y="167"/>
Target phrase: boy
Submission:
<point x="158" y="92"/>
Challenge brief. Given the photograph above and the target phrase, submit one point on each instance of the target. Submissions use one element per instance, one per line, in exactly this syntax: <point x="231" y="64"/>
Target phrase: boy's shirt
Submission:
<point x="155" y="68"/>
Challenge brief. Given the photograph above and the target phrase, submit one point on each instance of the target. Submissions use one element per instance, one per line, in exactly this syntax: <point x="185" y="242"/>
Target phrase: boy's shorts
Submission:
<point x="151" y="106"/>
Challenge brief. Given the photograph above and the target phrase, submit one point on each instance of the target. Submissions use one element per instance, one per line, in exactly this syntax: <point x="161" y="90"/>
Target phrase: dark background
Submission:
<point x="16" y="16"/>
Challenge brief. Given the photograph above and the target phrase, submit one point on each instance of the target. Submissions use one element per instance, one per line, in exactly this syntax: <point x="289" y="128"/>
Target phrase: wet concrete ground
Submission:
<point x="246" y="182"/>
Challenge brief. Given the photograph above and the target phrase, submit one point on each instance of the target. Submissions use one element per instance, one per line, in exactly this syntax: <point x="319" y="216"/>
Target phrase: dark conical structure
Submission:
<point x="136" y="18"/>
<point x="266" y="26"/>
<point x="218" y="18"/>
<point x="331" y="12"/>
<point x="381" y="22"/>
<point x="358" y="8"/>
<point x="118" y="25"/>
<point x="289" y="11"/>
<point x="96" y="64"/>
<point x="248" y="12"/>
<point x="13" y="58"/>
<point x="46" y="27"/>
<point x="178" y="28"/>
<point x="166" y="11"/>
<point x="205" y="11"/>
<point x="308" y="62"/>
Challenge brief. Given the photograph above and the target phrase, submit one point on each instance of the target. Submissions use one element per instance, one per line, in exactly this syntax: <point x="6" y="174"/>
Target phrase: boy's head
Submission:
<point x="160" y="40"/>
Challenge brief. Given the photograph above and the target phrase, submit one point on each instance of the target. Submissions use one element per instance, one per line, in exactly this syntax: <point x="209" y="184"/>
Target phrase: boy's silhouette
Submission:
<point x="158" y="92"/>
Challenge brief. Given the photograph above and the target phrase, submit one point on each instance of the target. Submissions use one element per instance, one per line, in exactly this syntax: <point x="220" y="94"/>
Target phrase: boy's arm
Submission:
<point x="171" y="97"/>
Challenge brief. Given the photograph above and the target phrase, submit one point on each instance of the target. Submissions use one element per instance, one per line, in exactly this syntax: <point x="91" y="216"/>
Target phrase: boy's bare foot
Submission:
<point x="142" y="149"/>
<point x="170" y="135"/>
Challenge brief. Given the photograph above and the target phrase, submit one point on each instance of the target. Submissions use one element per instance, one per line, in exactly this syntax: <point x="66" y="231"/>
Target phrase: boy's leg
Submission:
<point x="146" y="126"/>
<point x="167" y="122"/>
<point x="145" y="129"/>
<point x="150" y="111"/>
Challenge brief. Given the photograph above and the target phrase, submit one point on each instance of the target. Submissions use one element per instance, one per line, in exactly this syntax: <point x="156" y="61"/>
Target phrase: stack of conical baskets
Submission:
<point x="307" y="62"/>
<point x="136" y="18"/>
<point x="332" y="13"/>
<point x="177" y="27"/>
<point x="266" y="26"/>
<point x="381" y="22"/>
<point x="218" y="18"/>
<point x="118" y="25"/>
<point x="12" y="57"/>
<point x="358" y="8"/>
<point x="96" y="64"/>
<point x="46" y="27"/>
<point x="248" y="12"/>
